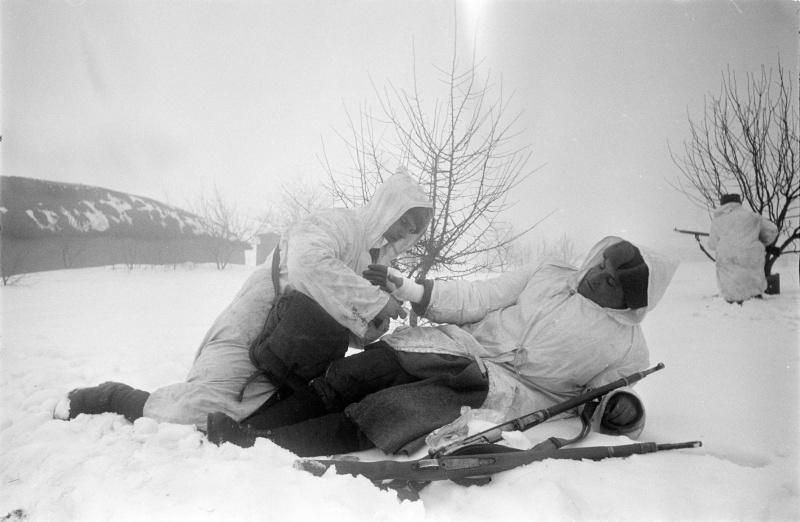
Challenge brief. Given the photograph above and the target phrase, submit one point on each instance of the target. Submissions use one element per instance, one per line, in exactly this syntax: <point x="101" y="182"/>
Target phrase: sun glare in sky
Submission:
<point x="472" y="12"/>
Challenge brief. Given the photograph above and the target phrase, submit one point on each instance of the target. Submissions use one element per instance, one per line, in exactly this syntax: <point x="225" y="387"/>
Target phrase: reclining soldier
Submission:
<point x="504" y="347"/>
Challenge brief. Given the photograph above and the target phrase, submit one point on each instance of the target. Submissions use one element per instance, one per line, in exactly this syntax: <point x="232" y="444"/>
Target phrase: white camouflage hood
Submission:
<point x="661" y="268"/>
<point x="398" y="194"/>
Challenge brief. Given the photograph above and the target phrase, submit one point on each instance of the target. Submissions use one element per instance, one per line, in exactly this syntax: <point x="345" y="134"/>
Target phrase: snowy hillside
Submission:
<point x="35" y="208"/>
<point x="731" y="381"/>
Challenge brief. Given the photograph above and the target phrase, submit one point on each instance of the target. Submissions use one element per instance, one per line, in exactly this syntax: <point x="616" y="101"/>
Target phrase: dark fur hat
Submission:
<point x="632" y="272"/>
<point x="730" y="198"/>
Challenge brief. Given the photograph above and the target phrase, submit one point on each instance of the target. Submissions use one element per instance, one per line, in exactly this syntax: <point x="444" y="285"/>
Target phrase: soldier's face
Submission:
<point x="401" y="228"/>
<point x="601" y="285"/>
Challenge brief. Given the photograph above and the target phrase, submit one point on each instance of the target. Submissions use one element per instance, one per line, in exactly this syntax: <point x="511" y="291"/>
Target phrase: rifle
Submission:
<point x="693" y="232"/>
<point x="408" y="477"/>
<point x="697" y="236"/>
<point x="532" y="419"/>
<point x="473" y="459"/>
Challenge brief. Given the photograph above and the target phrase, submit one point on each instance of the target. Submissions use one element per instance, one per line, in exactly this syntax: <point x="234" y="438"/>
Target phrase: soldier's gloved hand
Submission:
<point x="379" y="324"/>
<point x="622" y="410"/>
<point x="392" y="281"/>
<point x="375" y="329"/>
<point x="392" y="310"/>
<point x="385" y="277"/>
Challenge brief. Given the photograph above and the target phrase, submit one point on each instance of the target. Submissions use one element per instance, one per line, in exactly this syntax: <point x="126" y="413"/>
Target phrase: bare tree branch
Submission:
<point x="228" y="227"/>
<point x="464" y="149"/>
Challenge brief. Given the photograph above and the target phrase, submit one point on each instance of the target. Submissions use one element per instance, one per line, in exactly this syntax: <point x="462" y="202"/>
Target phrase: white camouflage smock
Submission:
<point x="738" y="236"/>
<point x="540" y="341"/>
<point x="322" y="256"/>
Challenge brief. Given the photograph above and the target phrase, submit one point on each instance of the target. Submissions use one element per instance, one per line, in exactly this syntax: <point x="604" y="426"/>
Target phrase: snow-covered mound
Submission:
<point x="37" y="208"/>
<point x="731" y="381"/>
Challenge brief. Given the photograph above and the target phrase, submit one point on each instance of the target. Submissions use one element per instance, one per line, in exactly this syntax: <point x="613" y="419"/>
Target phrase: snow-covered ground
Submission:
<point x="731" y="381"/>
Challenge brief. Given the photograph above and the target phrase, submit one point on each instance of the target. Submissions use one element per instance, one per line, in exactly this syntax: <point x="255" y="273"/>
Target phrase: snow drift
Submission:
<point x="731" y="381"/>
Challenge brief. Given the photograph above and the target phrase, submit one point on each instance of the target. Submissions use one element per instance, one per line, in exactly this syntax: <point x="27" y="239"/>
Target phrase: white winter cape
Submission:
<point x="738" y="236"/>
<point x="540" y="341"/>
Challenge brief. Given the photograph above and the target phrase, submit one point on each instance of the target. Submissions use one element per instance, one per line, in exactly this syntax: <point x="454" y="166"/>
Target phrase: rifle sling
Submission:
<point x="276" y="285"/>
<point x="276" y="271"/>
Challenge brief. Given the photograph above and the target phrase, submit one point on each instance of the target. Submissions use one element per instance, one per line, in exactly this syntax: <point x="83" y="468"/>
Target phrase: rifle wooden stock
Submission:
<point x="466" y="466"/>
<point x="693" y="232"/>
<point x="532" y="419"/>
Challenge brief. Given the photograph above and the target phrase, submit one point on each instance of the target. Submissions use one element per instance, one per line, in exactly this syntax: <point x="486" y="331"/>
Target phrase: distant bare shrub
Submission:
<point x="11" y="264"/>
<point x="229" y="227"/>
<point x="561" y="250"/>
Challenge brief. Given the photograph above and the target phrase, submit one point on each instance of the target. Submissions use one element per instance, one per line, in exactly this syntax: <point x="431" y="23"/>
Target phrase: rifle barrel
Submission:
<point x="693" y="232"/>
<point x="533" y="419"/>
<point x="591" y="395"/>
<point x="680" y="445"/>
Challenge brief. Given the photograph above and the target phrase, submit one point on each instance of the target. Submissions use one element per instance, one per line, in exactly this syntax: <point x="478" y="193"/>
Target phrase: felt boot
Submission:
<point x="114" y="397"/>
<point x="223" y="428"/>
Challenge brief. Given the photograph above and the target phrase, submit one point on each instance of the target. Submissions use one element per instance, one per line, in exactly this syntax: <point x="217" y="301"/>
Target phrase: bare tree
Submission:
<point x="463" y="149"/>
<point x="230" y="229"/>
<point x="12" y="264"/>
<point x="748" y="141"/>
<point x="130" y="251"/>
<point x="296" y="199"/>
<point x="71" y="249"/>
<point x="561" y="250"/>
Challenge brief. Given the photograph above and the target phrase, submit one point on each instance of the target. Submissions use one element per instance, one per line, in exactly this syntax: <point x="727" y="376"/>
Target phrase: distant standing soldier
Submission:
<point x="739" y="236"/>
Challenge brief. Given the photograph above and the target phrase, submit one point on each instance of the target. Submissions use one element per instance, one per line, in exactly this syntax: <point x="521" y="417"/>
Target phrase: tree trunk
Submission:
<point x="768" y="262"/>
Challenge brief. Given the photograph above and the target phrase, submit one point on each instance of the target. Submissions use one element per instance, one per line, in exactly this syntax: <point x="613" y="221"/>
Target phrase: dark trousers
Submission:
<point x="350" y="379"/>
<point x="346" y="380"/>
<point x="298" y="342"/>
<point x="396" y="418"/>
<point x="392" y="398"/>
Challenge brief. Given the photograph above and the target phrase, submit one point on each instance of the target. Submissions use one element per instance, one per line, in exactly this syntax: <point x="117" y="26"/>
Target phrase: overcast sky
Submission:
<point x="166" y="99"/>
